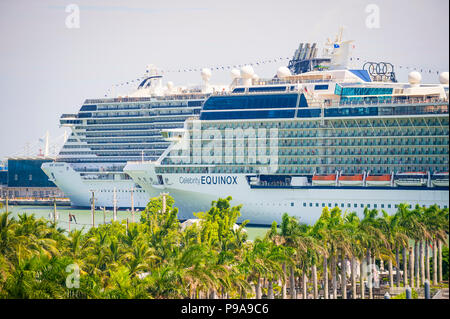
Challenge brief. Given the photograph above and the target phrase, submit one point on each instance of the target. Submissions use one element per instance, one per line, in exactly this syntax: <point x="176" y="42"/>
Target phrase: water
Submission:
<point x="84" y="217"/>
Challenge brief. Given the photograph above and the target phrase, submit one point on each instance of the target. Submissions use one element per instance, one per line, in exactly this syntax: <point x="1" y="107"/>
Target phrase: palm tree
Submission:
<point x="436" y="224"/>
<point x="396" y="238"/>
<point x="351" y="224"/>
<point x="374" y="238"/>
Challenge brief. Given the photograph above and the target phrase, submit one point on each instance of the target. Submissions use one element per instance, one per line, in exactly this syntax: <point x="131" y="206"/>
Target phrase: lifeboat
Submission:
<point x="324" y="180"/>
<point x="351" y="180"/>
<point x="411" y="179"/>
<point x="378" y="180"/>
<point x="440" y="179"/>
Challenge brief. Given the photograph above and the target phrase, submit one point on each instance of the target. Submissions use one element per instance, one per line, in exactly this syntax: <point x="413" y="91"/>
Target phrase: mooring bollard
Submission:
<point x="387" y="296"/>
<point x="427" y="289"/>
<point x="408" y="293"/>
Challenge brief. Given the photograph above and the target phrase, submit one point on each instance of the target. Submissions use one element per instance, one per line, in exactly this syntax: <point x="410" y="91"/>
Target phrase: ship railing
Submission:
<point x="65" y="116"/>
<point x="180" y="96"/>
<point x="379" y="102"/>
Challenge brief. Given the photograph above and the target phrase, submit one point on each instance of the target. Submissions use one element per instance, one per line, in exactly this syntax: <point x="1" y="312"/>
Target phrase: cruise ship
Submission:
<point x="108" y="132"/>
<point x="318" y="134"/>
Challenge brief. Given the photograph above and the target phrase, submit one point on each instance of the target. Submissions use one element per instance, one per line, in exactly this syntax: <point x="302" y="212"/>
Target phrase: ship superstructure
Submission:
<point x="108" y="132"/>
<point x="299" y="143"/>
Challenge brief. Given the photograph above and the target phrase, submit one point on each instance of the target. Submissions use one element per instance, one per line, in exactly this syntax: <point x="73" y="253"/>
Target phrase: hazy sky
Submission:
<point x="47" y="69"/>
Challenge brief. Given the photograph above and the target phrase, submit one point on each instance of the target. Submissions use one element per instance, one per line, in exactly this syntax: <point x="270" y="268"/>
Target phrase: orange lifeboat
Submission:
<point x="324" y="180"/>
<point x="378" y="180"/>
<point x="351" y="180"/>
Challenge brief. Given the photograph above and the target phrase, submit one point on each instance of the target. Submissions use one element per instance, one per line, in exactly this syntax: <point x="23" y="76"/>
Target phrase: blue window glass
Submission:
<point x="351" y="111"/>
<point x="88" y="108"/>
<point x="250" y="102"/>
<point x="240" y="115"/>
<point x="84" y="115"/>
<point x="303" y="102"/>
<point x="195" y="103"/>
<point x="308" y="113"/>
<point x="321" y="87"/>
<point x="267" y="89"/>
<point x="239" y="90"/>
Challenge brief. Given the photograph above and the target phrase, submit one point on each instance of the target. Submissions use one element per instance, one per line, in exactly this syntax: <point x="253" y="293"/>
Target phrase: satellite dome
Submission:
<point x="283" y="72"/>
<point x="255" y="77"/>
<point x="206" y="74"/>
<point x="235" y="73"/>
<point x="414" y="77"/>
<point x="170" y="85"/>
<point x="443" y="77"/>
<point x="247" y="72"/>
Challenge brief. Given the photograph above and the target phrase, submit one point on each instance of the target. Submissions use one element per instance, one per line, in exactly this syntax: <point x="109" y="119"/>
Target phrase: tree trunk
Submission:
<point x="411" y="266"/>
<point x="353" y="274"/>
<point x="440" y="261"/>
<point x="292" y="291"/>
<point x="427" y="259"/>
<point x="391" y="274"/>
<point x="333" y="275"/>
<point x="258" y="288"/>
<point x="305" y="290"/>
<point x="314" y="275"/>
<point x="435" y="262"/>
<point x="422" y="261"/>
<point x="283" y="282"/>
<point x="270" y="290"/>
<point x="416" y="263"/>
<point x="405" y="268"/>
<point x="370" y="278"/>
<point x="344" y="277"/>
<point x="325" y="278"/>
<point x="362" y="270"/>
<point x="397" y="268"/>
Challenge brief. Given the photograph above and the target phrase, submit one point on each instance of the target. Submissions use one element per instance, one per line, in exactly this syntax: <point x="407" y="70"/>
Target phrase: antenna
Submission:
<point x="46" y="144"/>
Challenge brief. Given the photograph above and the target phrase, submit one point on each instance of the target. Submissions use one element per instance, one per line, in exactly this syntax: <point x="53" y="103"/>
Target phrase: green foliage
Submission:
<point x="445" y="263"/>
<point x="157" y="258"/>
<point x="414" y="295"/>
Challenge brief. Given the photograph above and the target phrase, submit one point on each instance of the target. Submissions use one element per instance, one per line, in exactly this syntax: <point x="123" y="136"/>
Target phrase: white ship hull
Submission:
<point x="79" y="189"/>
<point x="193" y="193"/>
